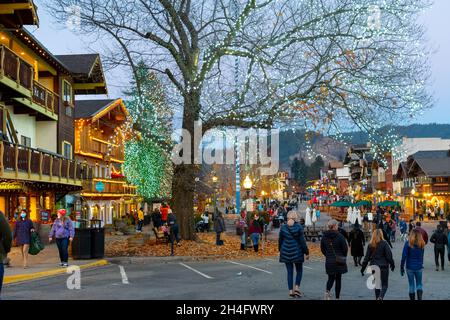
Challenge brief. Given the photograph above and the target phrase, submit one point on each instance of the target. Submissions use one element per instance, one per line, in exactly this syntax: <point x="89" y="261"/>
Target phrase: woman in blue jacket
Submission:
<point x="412" y="256"/>
<point x="293" y="248"/>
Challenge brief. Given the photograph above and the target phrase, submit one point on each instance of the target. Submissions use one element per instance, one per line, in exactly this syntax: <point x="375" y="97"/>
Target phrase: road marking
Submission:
<point x="274" y="260"/>
<point x="124" y="275"/>
<point x="308" y="268"/>
<point x="244" y="265"/>
<point x="196" y="271"/>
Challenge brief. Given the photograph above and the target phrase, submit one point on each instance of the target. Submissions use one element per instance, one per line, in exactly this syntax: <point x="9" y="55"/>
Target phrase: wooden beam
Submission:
<point x="10" y="8"/>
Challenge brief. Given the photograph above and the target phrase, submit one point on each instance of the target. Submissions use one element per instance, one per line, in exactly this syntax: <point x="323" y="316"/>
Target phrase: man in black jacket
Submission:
<point x="5" y="244"/>
<point x="440" y="241"/>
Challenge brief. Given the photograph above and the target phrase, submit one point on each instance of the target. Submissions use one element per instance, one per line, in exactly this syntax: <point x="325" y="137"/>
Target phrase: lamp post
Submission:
<point x="413" y="193"/>
<point x="215" y="179"/>
<point x="248" y="183"/>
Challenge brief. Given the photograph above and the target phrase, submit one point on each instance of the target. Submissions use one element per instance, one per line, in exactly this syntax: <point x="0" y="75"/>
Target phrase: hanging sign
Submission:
<point x="100" y="186"/>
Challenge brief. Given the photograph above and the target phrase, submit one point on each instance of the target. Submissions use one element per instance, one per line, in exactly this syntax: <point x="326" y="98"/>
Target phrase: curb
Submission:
<point x="145" y="260"/>
<point x="53" y="272"/>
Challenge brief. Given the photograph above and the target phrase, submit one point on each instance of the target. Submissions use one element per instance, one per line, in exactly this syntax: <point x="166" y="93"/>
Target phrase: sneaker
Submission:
<point x="327" y="296"/>
<point x="61" y="264"/>
<point x="437" y="268"/>
<point x="65" y="265"/>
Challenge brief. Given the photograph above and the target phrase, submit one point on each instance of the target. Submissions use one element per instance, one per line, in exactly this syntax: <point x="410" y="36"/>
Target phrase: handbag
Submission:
<point x="340" y="260"/>
<point x="36" y="245"/>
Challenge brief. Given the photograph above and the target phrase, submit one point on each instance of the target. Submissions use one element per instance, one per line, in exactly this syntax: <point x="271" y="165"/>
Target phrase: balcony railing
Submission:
<point x="45" y="97"/>
<point x="17" y="161"/>
<point x="110" y="187"/>
<point x="15" y="68"/>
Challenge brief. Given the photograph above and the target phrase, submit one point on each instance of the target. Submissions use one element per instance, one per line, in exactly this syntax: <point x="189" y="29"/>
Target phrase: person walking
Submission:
<point x="5" y="245"/>
<point x="412" y="258"/>
<point x="393" y="229"/>
<point x="334" y="247"/>
<point x="440" y="240"/>
<point x="255" y="231"/>
<point x="422" y="232"/>
<point x="164" y="209"/>
<point x="174" y="227"/>
<point x="63" y="232"/>
<point x="386" y="237"/>
<point x="242" y="229"/>
<point x="403" y="230"/>
<point x="22" y="235"/>
<point x="293" y="251"/>
<point x="219" y="227"/>
<point x="379" y="254"/>
<point x="140" y="219"/>
<point x="356" y="242"/>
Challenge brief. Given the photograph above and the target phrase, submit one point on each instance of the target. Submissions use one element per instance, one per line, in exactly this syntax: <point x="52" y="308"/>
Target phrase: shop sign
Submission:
<point x="11" y="186"/>
<point x="44" y="216"/>
<point x="100" y="186"/>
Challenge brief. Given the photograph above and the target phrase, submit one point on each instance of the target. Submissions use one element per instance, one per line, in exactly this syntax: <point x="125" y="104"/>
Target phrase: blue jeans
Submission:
<point x="415" y="280"/>
<point x="255" y="238"/>
<point x="243" y="238"/>
<point x="140" y="224"/>
<point x="219" y="242"/>
<point x="63" y="248"/>
<point x="290" y="274"/>
<point x="2" y="272"/>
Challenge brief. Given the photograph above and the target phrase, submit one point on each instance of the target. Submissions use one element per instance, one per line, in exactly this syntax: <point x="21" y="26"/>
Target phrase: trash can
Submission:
<point x="81" y="244"/>
<point x="97" y="239"/>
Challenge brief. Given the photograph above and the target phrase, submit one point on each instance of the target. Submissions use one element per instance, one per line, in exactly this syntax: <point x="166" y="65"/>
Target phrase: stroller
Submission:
<point x="201" y="226"/>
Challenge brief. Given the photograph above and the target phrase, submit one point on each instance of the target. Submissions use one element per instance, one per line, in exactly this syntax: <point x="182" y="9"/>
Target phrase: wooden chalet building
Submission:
<point x="425" y="180"/>
<point x="37" y="99"/>
<point x="100" y="132"/>
<point x="359" y="161"/>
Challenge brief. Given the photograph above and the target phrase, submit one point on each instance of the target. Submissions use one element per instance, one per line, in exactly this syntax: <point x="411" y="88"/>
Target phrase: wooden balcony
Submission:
<point x="22" y="163"/>
<point x="45" y="98"/>
<point x="112" y="188"/>
<point x="15" y="72"/>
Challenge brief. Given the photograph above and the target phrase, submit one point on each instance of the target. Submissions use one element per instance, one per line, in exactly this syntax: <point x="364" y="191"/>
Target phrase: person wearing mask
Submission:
<point x="334" y="247"/>
<point x="219" y="227"/>
<point x="412" y="258"/>
<point x="164" y="212"/>
<point x="241" y="229"/>
<point x="63" y="232"/>
<point x="440" y="240"/>
<point x="356" y="242"/>
<point x="5" y="245"/>
<point x="255" y="231"/>
<point x="293" y="251"/>
<point x="22" y="235"/>
<point x="422" y="232"/>
<point x="379" y="254"/>
<point x="140" y="220"/>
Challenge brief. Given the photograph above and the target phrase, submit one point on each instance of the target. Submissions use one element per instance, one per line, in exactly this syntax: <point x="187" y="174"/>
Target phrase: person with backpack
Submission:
<point x="293" y="251"/>
<point x="22" y="235"/>
<point x="412" y="258"/>
<point x="379" y="254"/>
<point x="5" y="245"/>
<point x="63" y="232"/>
<point x="334" y="247"/>
<point x="356" y="242"/>
<point x="403" y="230"/>
<point x="440" y="240"/>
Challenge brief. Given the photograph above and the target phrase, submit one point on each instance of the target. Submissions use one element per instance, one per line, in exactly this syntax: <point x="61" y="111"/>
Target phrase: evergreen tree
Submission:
<point x="302" y="172"/>
<point x="295" y="169"/>
<point x="314" y="169"/>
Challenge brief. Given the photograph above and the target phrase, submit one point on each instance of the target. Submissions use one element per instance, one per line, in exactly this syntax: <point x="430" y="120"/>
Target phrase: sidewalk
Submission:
<point x="45" y="264"/>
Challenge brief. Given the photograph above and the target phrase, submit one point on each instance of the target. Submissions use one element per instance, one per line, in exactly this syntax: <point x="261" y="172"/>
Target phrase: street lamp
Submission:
<point x="248" y="184"/>
<point x="215" y="179"/>
<point x="413" y="193"/>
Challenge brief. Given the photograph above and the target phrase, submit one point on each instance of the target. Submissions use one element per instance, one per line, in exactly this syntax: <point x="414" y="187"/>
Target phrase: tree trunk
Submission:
<point x="183" y="183"/>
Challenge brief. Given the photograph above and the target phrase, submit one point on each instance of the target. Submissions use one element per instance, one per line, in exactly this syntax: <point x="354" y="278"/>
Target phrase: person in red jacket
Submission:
<point x="255" y="230"/>
<point x="164" y="212"/>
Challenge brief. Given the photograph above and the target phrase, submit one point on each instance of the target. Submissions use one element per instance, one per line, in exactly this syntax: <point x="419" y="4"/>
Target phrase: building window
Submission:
<point x="67" y="150"/>
<point x="25" y="141"/>
<point x="67" y="92"/>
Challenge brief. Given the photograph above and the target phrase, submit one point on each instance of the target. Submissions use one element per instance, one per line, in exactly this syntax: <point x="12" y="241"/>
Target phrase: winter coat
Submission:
<point x="256" y="226"/>
<point x="164" y="212"/>
<point x="423" y="233"/>
<point x="219" y="224"/>
<point x="356" y="241"/>
<point x="292" y="244"/>
<point x="22" y="231"/>
<point x="5" y="237"/>
<point x="439" y="239"/>
<point x="344" y="233"/>
<point x="333" y="240"/>
<point x="62" y="229"/>
<point x="380" y="256"/>
<point x="403" y="227"/>
<point x="412" y="257"/>
<point x="156" y="218"/>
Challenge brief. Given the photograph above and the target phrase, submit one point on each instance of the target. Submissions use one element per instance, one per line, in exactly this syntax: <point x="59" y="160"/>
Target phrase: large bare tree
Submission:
<point x="264" y="63"/>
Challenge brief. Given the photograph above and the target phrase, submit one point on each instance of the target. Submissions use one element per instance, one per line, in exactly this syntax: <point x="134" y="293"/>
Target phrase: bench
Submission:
<point x="161" y="237"/>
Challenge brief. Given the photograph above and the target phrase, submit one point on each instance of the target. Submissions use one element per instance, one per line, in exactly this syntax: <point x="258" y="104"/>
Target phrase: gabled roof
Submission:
<point x="434" y="167"/>
<point x="434" y="154"/>
<point x="79" y="63"/>
<point x="92" y="109"/>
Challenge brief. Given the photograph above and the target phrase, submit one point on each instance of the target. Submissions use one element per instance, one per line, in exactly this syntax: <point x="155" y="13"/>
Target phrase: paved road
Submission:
<point x="255" y="279"/>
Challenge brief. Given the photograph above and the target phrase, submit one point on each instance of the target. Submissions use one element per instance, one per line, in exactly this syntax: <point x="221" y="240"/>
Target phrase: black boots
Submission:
<point x="412" y="296"/>
<point x="242" y="246"/>
<point x="255" y="247"/>
<point x="419" y="294"/>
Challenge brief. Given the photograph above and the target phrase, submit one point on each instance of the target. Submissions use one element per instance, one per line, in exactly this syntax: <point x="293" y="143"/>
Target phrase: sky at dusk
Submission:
<point x="60" y="40"/>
